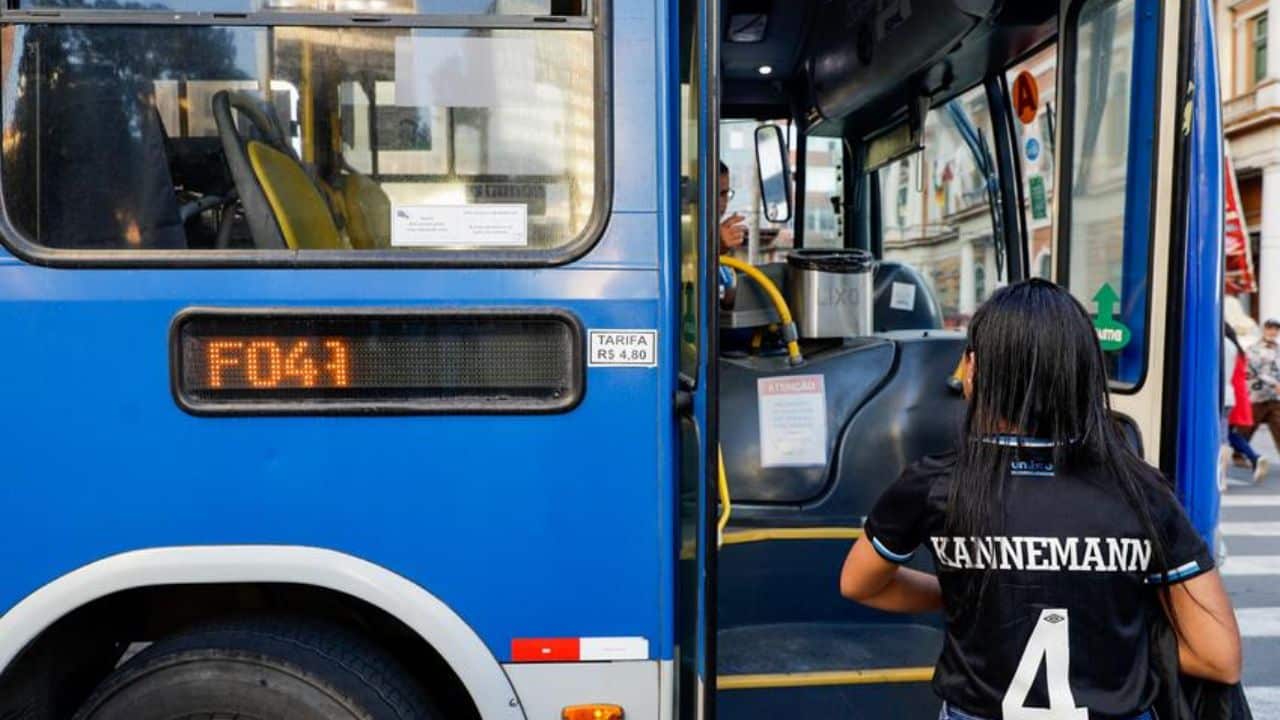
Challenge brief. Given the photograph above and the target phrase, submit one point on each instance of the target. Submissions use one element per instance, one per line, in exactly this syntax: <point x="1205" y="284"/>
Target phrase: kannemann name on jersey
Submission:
<point x="1050" y="554"/>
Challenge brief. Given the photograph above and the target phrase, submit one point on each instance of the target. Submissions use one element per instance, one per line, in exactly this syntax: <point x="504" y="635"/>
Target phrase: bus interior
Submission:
<point x="913" y="166"/>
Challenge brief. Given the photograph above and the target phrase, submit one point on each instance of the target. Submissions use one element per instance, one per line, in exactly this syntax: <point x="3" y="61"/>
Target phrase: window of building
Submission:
<point x="1259" y="48"/>
<point x="412" y="140"/>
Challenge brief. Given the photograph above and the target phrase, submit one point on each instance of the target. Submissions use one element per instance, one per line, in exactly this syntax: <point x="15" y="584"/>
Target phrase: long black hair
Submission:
<point x="1038" y="372"/>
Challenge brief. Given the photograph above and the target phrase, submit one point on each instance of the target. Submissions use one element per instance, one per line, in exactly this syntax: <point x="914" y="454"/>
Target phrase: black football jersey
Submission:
<point x="1065" y="590"/>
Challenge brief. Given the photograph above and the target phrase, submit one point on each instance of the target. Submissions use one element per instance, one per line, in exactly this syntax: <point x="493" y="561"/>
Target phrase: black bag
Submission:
<point x="1182" y="697"/>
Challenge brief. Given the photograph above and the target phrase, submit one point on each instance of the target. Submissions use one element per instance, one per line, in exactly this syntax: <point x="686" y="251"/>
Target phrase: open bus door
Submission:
<point x="1139" y="225"/>
<point x="695" y="196"/>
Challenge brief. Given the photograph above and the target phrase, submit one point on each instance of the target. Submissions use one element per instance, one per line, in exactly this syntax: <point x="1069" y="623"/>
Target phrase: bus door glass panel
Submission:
<point x="824" y="193"/>
<point x="1037" y="154"/>
<point x="1107" y="249"/>
<point x="936" y="209"/>
<point x="767" y="241"/>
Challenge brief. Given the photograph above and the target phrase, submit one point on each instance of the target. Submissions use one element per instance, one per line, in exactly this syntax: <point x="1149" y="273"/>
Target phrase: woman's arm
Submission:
<point x="878" y="583"/>
<point x="1208" y="638"/>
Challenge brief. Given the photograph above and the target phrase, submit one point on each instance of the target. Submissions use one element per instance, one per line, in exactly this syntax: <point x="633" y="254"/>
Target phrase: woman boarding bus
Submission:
<point x="1051" y="538"/>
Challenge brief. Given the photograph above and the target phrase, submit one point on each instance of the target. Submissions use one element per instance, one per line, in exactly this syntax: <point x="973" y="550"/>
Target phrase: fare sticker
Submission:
<point x="623" y="348"/>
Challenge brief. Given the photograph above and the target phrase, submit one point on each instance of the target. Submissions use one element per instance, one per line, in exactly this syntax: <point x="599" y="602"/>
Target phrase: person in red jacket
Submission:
<point x="1239" y="414"/>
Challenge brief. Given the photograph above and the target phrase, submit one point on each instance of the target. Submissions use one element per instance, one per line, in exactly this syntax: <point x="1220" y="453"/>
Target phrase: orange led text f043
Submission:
<point x="273" y="363"/>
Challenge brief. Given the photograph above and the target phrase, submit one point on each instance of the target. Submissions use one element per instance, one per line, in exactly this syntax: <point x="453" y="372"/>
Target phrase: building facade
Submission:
<point x="1251" y="119"/>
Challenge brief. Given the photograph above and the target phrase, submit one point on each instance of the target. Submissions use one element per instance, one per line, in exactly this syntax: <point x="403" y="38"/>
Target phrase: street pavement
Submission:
<point x="1250" y="525"/>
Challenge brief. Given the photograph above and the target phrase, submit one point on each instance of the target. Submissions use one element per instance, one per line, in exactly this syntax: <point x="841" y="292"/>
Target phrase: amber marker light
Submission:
<point x="592" y="712"/>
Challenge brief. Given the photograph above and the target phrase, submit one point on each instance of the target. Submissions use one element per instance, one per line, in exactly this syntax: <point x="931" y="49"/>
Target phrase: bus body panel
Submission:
<point x="1200" y="341"/>
<point x="527" y="526"/>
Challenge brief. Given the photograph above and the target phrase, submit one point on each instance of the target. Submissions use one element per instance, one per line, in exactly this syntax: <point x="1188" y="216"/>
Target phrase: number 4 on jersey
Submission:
<point x="1048" y="643"/>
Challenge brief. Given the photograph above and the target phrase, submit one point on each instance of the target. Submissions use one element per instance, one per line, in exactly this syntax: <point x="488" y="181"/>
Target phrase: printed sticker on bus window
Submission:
<point x="460" y="226"/>
<point x="793" y="421"/>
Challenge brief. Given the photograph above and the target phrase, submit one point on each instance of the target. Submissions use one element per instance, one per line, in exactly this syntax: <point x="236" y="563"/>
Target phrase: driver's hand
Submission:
<point x="733" y="232"/>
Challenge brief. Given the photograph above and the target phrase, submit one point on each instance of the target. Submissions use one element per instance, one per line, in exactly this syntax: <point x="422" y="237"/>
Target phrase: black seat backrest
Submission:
<point x="102" y="178"/>
<point x="264" y="126"/>
<point x="914" y="308"/>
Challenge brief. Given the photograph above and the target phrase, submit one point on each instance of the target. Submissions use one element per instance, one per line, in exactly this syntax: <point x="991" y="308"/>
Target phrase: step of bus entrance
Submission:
<point x="845" y="670"/>
<point x="790" y="580"/>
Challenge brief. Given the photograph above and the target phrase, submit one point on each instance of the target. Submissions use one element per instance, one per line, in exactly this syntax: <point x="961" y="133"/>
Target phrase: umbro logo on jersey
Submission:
<point x="1073" y="554"/>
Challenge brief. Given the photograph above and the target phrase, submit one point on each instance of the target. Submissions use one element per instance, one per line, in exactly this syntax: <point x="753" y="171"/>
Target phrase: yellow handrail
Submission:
<point x="726" y="505"/>
<point x="789" y="332"/>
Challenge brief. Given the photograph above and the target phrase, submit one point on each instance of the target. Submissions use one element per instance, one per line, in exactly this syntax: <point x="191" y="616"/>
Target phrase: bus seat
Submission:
<point x="298" y="206"/>
<point x="368" y="212"/>
<point x="91" y="131"/>
<point x="282" y="202"/>
<point x="915" y="307"/>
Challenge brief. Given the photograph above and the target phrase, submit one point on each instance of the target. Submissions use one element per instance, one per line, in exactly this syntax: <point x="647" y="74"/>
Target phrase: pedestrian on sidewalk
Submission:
<point x="1238" y="410"/>
<point x="1264" y="381"/>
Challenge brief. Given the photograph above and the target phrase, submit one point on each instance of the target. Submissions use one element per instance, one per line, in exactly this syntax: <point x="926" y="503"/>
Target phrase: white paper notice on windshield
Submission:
<point x="465" y="71"/>
<point x="793" y="421"/>
<point x="462" y="226"/>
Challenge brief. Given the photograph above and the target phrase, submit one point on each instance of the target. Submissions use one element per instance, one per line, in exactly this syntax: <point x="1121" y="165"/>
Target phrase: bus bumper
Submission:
<point x="644" y="689"/>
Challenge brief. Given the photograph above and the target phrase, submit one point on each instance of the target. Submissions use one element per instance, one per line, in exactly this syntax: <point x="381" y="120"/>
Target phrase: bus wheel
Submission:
<point x="260" y="670"/>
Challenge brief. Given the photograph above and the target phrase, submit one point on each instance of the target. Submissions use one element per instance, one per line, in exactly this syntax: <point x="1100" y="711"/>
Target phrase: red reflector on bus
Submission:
<point x="592" y="712"/>
<point x="545" y="649"/>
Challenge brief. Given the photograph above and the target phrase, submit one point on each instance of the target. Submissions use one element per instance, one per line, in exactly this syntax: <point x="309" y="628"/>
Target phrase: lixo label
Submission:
<point x="623" y="348"/>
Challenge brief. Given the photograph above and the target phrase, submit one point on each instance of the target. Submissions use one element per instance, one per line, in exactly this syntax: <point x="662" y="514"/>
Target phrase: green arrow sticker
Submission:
<point x="1112" y="334"/>
<point x="1039" y="198"/>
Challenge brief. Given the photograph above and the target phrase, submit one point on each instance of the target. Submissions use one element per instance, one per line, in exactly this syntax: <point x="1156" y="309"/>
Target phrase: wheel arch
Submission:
<point x="298" y="571"/>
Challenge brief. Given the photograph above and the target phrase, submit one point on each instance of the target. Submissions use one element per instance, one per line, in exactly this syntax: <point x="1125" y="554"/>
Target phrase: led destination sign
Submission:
<point x="271" y="363"/>
<point x="363" y="362"/>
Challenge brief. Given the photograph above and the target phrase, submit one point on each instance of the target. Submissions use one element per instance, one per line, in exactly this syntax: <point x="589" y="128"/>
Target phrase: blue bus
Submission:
<point x="372" y="358"/>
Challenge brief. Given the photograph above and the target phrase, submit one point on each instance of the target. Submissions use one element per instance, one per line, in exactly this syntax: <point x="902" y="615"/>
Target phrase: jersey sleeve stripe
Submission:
<point x="890" y="555"/>
<point x="1182" y="572"/>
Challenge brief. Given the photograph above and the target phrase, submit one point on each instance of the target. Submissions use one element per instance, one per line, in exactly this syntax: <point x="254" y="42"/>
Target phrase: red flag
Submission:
<point x="1239" y="276"/>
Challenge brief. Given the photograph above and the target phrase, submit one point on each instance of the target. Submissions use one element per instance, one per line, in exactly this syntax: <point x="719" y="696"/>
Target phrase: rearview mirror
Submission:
<point x="775" y="174"/>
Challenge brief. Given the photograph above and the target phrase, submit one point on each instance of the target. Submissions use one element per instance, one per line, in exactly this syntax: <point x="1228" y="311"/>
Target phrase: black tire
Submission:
<point x="260" y="670"/>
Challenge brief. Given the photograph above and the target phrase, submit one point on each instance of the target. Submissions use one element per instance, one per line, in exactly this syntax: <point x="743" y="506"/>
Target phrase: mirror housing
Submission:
<point x="773" y="169"/>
